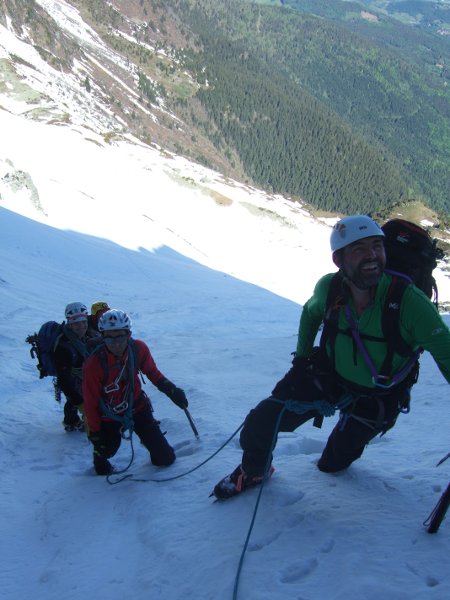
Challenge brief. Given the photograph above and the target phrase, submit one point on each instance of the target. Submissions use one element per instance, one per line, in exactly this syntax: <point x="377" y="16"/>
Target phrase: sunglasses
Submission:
<point x="109" y="339"/>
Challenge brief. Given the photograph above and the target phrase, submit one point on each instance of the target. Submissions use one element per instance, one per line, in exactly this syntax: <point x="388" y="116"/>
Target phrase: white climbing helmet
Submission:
<point x="351" y="229"/>
<point x="114" y="319"/>
<point x="75" y="312"/>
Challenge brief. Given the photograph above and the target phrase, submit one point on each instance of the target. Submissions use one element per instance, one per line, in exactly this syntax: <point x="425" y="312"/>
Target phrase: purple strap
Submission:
<point x="399" y="274"/>
<point x="375" y="375"/>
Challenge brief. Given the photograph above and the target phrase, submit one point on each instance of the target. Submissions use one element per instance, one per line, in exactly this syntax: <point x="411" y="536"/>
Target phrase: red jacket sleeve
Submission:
<point x="146" y="362"/>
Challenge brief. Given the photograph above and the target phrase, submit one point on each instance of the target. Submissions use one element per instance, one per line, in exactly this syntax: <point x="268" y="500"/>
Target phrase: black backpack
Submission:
<point x="43" y="345"/>
<point x="411" y="253"/>
<point x="411" y="256"/>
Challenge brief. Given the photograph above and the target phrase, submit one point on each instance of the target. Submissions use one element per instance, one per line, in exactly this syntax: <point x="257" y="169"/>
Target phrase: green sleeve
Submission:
<point x="312" y="316"/>
<point x="422" y="326"/>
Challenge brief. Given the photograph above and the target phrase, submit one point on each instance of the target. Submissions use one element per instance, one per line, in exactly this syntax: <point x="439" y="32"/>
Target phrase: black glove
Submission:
<point x="102" y="465"/>
<point x="95" y="437"/>
<point x="99" y="445"/>
<point x="288" y="388"/>
<point x="176" y="394"/>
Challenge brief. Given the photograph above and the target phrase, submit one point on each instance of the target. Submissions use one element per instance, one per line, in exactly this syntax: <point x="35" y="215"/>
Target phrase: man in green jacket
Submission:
<point x="347" y="371"/>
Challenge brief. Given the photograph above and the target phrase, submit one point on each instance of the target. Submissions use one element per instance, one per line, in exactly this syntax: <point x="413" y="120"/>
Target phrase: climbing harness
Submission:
<point x="123" y="411"/>
<point x="378" y="379"/>
<point x="114" y="386"/>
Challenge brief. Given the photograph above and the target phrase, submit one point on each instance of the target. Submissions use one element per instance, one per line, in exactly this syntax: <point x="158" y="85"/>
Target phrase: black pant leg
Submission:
<point x="350" y="436"/>
<point x="346" y="445"/>
<point x="71" y="416"/>
<point x="111" y="437"/>
<point x="146" y="427"/>
<point x="258" y="433"/>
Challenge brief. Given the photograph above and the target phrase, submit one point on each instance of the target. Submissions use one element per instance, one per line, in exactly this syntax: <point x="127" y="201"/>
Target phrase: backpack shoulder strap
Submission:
<point x="390" y="321"/>
<point x="100" y="352"/>
<point x="59" y="336"/>
<point x="336" y="299"/>
<point x="135" y="352"/>
<point x="391" y="330"/>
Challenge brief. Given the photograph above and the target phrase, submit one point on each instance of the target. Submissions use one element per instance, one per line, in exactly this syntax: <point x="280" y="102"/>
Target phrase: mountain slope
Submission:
<point x="390" y="100"/>
<point x="193" y="78"/>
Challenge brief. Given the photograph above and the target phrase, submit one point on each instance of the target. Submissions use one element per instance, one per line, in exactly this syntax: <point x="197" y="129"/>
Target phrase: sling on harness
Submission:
<point x="323" y="407"/>
<point x="337" y="299"/>
<point x="385" y="378"/>
<point x="123" y="411"/>
<point x="378" y="378"/>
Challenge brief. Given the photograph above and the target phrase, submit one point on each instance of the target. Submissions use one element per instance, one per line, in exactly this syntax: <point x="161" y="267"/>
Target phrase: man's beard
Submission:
<point x="362" y="278"/>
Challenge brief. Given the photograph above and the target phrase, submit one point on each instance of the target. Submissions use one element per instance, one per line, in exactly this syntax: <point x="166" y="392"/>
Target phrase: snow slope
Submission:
<point x="68" y="533"/>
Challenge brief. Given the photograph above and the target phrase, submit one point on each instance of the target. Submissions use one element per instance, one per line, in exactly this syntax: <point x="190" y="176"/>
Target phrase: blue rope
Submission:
<point x="108" y="477"/>
<point x="321" y="406"/>
<point x="131" y="478"/>
<point x="266" y="470"/>
<point x="126" y="420"/>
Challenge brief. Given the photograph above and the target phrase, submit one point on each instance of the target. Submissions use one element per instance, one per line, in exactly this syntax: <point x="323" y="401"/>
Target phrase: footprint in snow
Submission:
<point x="185" y="448"/>
<point x="48" y="467"/>
<point x="307" y="446"/>
<point x="327" y="546"/>
<point x="180" y="445"/>
<point x="289" y="498"/>
<point x="295" y="520"/>
<point x="254" y="546"/>
<point x="298" y="570"/>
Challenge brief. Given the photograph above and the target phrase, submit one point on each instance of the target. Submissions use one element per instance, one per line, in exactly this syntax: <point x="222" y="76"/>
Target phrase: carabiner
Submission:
<point x="120" y="408"/>
<point x="112" y="387"/>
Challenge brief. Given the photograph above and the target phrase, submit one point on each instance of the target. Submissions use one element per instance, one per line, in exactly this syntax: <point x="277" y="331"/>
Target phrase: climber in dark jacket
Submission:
<point x="71" y="350"/>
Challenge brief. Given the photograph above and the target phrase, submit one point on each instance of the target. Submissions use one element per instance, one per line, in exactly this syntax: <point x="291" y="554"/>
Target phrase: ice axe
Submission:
<point x="191" y="422"/>
<point x="437" y="515"/>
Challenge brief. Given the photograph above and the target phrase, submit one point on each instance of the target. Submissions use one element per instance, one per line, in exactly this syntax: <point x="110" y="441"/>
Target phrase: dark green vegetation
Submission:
<point x="332" y="102"/>
<point x="348" y="113"/>
<point x="424" y="13"/>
